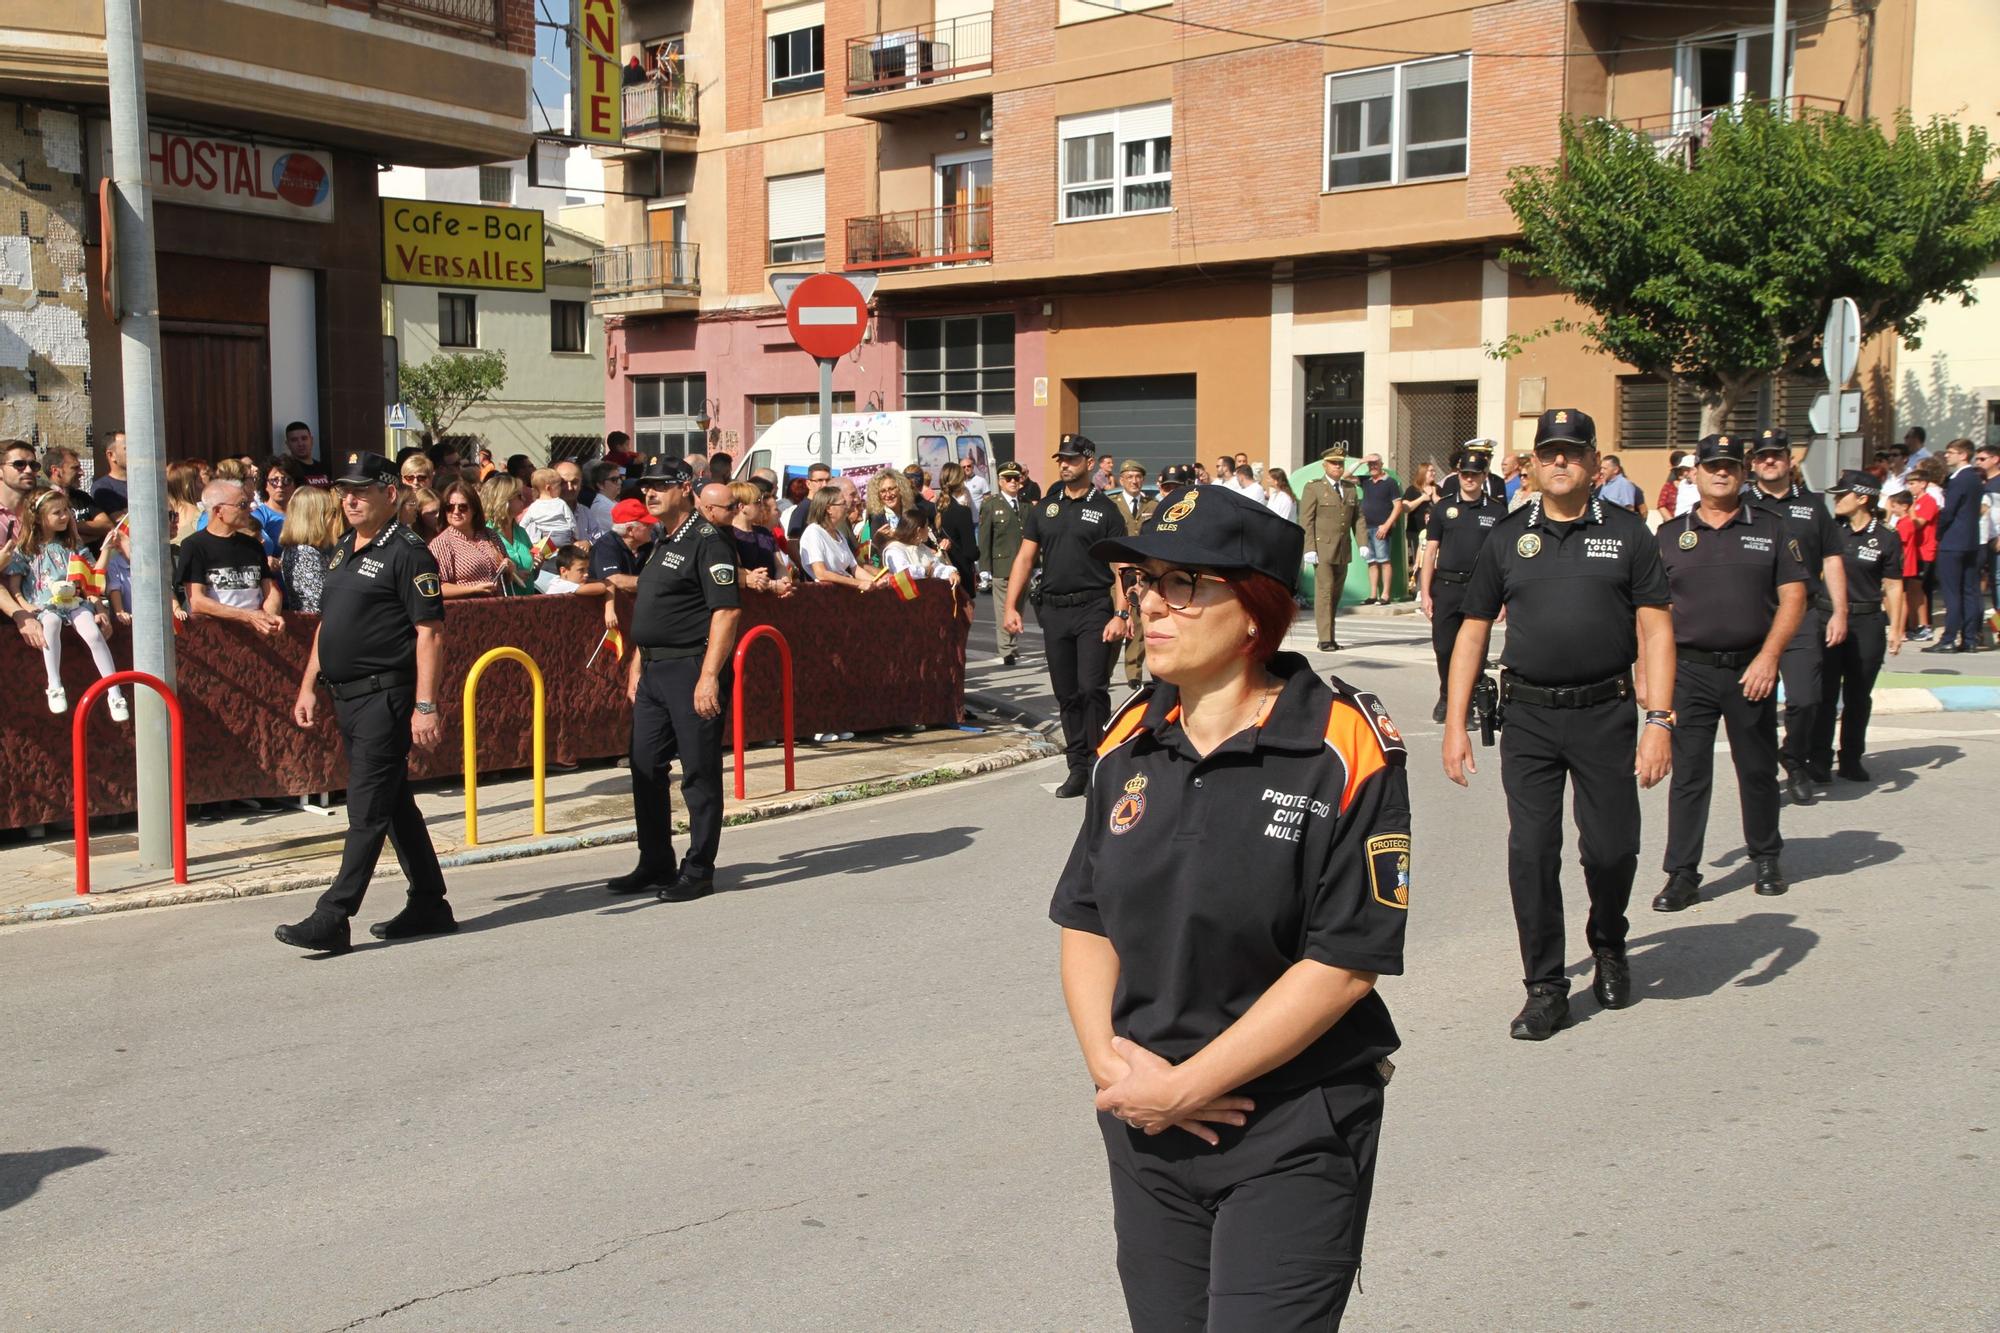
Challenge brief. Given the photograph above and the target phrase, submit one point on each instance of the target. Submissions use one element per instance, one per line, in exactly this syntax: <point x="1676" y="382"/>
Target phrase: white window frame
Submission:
<point x="1114" y="123"/>
<point x="782" y="25"/>
<point x="1687" y="71"/>
<point x="801" y="242"/>
<point x="1399" y="145"/>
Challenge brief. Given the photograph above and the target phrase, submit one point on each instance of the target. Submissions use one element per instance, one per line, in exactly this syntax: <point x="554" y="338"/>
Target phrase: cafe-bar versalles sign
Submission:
<point x="461" y="245"/>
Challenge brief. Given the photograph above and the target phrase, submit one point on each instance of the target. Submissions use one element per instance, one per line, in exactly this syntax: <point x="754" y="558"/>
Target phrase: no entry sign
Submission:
<point x="827" y="315"/>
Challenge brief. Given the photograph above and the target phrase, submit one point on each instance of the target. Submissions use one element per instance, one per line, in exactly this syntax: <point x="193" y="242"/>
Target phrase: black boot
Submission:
<point x="1799" y="787"/>
<point x="1076" y="784"/>
<point x="1682" y="891"/>
<point x="1437" y="714"/>
<point x="1770" y="879"/>
<point x="1547" y="1009"/>
<point x="1818" y="772"/>
<point x="1613" y="984"/>
<point x="420" y="916"/>
<point x="641" y="880"/>
<point x="322" y="932"/>
<point x="1852" y="770"/>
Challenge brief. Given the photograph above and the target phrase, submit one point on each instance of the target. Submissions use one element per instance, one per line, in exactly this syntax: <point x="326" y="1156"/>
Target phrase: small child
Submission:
<point x="568" y="572"/>
<point x="40" y="576"/>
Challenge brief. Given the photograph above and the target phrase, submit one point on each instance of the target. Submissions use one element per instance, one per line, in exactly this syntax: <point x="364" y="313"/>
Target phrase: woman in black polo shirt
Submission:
<point x="1241" y="879"/>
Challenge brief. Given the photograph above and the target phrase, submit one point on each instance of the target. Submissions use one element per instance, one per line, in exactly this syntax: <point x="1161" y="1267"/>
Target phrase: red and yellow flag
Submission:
<point x="905" y="586"/>
<point x="88" y="578"/>
<point x="614" y="642"/>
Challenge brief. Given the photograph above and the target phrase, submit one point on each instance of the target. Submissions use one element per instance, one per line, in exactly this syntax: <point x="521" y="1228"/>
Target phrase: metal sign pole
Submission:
<point x="826" y="412"/>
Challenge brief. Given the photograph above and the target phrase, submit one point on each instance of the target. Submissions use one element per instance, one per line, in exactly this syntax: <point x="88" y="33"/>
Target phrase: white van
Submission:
<point x="868" y="442"/>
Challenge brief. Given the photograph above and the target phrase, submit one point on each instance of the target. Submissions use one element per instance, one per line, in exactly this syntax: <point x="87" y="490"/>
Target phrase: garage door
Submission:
<point x="1147" y="417"/>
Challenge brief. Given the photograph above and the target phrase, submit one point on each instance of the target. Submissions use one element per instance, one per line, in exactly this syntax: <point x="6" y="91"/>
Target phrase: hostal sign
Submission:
<point x="215" y="171"/>
<point x="461" y="245"/>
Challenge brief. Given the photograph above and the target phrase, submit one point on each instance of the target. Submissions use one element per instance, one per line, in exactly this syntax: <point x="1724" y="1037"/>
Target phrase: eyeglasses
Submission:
<point x="460" y="508"/>
<point x="726" y="508"/>
<point x="413" y="478"/>
<point x="22" y="464"/>
<point x="1176" y="587"/>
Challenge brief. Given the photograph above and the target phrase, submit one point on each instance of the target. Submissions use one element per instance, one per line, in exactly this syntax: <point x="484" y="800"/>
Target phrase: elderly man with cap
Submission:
<point x="1329" y="511"/>
<point x="618" y="556"/>
<point x="999" y="542"/>
<point x="1135" y="509"/>
<point x="1739" y="591"/>
<point x="1082" y="613"/>
<point x="1874" y="558"/>
<point x="1585" y="597"/>
<point x="683" y="629"/>
<point x="1816" y="544"/>
<point x="1459" y="522"/>
<point x="383" y="666"/>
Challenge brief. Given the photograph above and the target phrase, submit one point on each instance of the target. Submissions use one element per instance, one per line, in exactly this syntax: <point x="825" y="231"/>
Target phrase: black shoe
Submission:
<point x="1437" y="714"/>
<point x="1852" y="770"/>
<point x="1613" y="984"/>
<point x="1819" y="773"/>
<point x="322" y="932"/>
<point x="1770" y="879"/>
<point x="1076" y="784"/>
<point x="1547" y="1010"/>
<point x="640" y="881"/>
<point x="1799" y="787"/>
<point x="1942" y="647"/>
<point x="1008" y="660"/>
<point x="687" y="888"/>
<point x="420" y="916"/>
<point x="1682" y="892"/>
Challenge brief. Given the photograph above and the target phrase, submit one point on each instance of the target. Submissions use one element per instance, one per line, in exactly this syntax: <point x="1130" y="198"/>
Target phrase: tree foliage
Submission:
<point x="1720" y="271"/>
<point x="441" y="389"/>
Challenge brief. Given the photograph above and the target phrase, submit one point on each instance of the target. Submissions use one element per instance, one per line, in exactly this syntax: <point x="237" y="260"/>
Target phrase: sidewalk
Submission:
<point x="242" y="852"/>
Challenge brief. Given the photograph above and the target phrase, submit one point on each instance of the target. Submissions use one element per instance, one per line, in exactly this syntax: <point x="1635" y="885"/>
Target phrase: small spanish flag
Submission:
<point x="88" y="578"/>
<point x="612" y="640"/>
<point x="542" y="549"/>
<point x="905" y="586"/>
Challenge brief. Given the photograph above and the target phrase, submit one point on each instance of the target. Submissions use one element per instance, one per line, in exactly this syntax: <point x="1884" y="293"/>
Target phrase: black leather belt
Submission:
<point x="671" y="654"/>
<point x="343" y="690"/>
<point x="1564" y="696"/>
<point x="1821" y="602"/>
<point x="1076" y="598"/>
<point x="1451" y="576"/>
<point x="1864" y="608"/>
<point x="1735" y="661"/>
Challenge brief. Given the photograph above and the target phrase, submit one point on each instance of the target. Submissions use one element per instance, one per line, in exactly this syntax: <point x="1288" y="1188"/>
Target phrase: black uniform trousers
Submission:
<point x="1847" y="687"/>
<point x="1447" y="615"/>
<point x="376" y="728"/>
<point x="1702" y="695"/>
<point x="1080" y="671"/>
<point x="665" y="727"/>
<point x="1800" y="669"/>
<point x="1259" y="1235"/>
<point x="1595" y="748"/>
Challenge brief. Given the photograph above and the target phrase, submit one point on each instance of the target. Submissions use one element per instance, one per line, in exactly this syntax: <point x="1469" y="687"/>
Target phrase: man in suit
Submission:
<point x="1329" y="511"/>
<point x="1958" y="552"/>
<point x="1134" y="508"/>
<point x="999" y="542"/>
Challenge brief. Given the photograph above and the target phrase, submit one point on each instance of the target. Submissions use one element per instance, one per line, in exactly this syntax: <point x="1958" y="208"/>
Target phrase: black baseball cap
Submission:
<point x="659" y="467"/>
<point x="1772" y="440"/>
<point x="1565" y="425"/>
<point x="1214" y="527"/>
<point x="1857" y="481"/>
<point x="1727" y="448"/>
<point x="1073" y="446"/>
<point x="368" y="470"/>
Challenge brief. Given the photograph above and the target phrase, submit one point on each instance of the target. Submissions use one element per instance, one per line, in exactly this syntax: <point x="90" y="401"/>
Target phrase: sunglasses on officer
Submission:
<point x="1176" y="587"/>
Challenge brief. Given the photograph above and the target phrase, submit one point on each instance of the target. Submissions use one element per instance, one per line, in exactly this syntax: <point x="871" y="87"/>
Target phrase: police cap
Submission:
<point x="1565" y="425"/>
<point x="1772" y="440"/>
<point x="365" y="469"/>
<point x="1725" y="448"/>
<point x="1074" y="446"/>
<point x="1177" y="474"/>
<point x="660" y="467"/>
<point x="1858" y="482"/>
<point x="1012" y="469"/>
<point x="1214" y="527"/>
<point x="1473" y="456"/>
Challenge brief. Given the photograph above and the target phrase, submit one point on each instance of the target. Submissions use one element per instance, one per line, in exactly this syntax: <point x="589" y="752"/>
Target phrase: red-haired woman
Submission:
<point x="1241" y="879"/>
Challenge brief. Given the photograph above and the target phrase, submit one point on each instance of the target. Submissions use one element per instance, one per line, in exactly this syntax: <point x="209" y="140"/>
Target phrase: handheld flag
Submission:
<point x="614" y="641"/>
<point x="905" y="586"/>
<point x="89" y="578"/>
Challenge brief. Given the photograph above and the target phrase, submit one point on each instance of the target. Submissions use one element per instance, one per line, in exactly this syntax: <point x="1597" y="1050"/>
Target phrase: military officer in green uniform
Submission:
<point x="999" y="541"/>
<point x="1329" y="511"/>
<point x="1135" y="508"/>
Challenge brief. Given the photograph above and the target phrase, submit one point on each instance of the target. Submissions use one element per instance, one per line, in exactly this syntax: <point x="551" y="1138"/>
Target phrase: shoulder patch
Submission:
<point x="427" y="585"/>
<point x="1376" y="714"/>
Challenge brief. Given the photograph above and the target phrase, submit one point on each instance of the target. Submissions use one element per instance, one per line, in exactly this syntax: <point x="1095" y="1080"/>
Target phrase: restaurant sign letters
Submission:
<point x="212" y="171"/>
<point x="461" y="245"/>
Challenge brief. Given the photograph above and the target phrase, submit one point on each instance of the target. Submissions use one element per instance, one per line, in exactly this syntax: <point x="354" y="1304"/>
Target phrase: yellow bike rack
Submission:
<point x="467" y="715"/>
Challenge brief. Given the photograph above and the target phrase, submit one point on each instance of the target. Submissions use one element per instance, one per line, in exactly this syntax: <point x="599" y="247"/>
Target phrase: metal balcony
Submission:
<point x="662" y="107"/>
<point x="919" y="56"/>
<point x="1680" y="135"/>
<point x="480" y="16"/>
<point x="919" y="238"/>
<point x="656" y="276"/>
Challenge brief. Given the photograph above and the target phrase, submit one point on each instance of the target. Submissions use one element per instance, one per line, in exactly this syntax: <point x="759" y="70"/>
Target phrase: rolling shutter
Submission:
<point x="797" y="205"/>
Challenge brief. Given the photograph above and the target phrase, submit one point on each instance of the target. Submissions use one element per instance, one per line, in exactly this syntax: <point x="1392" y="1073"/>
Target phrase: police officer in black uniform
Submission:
<point x="383" y="665"/>
<point x="1082" y="613"/>
<point x="683" y="631"/>
<point x="1874" y="558"/>
<point x="1809" y="523"/>
<point x="1739" y="591"/>
<point x="1453" y="535"/>
<point x="1585" y="597"/>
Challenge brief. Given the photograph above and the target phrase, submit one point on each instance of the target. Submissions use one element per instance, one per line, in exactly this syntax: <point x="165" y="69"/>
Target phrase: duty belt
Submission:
<point x="1735" y="661"/>
<point x="1564" y="696"/>
<point x="1076" y="598"/>
<point x="343" y="690"/>
<point x="671" y="654"/>
<point x="1451" y="576"/>
<point x="1864" y="608"/>
<point x="1821" y="602"/>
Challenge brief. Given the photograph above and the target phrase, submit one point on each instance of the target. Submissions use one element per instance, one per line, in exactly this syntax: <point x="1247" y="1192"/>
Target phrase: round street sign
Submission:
<point x="1840" y="343"/>
<point x="827" y="315"/>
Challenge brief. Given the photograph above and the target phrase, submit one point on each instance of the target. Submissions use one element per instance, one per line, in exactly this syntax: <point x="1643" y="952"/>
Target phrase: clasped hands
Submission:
<point x="1149" y="1094"/>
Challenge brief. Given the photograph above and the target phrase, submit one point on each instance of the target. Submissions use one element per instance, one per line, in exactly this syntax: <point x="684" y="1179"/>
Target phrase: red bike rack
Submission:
<point x="736" y="699"/>
<point x="78" y="762"/>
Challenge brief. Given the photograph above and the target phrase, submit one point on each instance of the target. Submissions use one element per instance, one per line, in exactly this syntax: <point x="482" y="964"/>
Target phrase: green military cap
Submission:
<point x="1337" y="454"/>
<point x="1132" y="465"/>
<point x="1012" y="469"/>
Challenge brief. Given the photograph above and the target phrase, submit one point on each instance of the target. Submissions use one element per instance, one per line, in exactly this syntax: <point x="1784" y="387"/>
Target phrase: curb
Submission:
<point x="1938" y="699"/>
<point x="1030" y="748"/>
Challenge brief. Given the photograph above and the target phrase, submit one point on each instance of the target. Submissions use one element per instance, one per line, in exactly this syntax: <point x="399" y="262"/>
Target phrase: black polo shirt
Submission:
<point x="1065" y="529"/>
<point x="1725" y="580"/>
<point x="1571" y="590"/>
<point x="1871" y="554"/>
<point x="1809" y="522"/>
<point x="1459" y="527"/>
<point x="610" y="555"/>
<point x="1211" y="875"/>
<point x="373" y="601"/>
<point x="692" y="572"/>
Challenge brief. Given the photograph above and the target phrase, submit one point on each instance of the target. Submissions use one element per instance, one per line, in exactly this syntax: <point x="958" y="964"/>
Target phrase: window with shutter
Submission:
<point x="1117" y="163"/>
<point x="797" y="216"/>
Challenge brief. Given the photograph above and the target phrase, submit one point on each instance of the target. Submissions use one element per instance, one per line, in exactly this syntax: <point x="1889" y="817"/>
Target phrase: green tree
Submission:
<point x="1719" y="271"/>
<point x="441" y="389"/>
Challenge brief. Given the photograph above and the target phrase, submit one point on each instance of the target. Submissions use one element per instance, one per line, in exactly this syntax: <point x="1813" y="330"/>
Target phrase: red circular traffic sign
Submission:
<point x="827" y="316"/>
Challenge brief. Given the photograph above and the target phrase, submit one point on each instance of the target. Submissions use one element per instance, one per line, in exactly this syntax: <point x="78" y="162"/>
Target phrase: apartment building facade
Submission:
<point x="269" y="120"/>
<point x="1184" y="229"/>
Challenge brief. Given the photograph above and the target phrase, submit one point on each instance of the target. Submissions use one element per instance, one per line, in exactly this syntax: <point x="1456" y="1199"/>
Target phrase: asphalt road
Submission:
<point x="842" y="1094"/>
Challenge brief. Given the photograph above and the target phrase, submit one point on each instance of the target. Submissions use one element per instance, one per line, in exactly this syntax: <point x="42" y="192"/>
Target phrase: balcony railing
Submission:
<point x="663" y="267"/>
<point x="1682" y="134"/>
<point x="481" y="16"/>
<point x="662" y="106"/>
<point x="918" y="56"/>
<point x="962" y="234"/>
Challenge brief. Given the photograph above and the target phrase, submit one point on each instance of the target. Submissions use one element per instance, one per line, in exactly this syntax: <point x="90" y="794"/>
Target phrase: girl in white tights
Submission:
<point x="40" y="576"/>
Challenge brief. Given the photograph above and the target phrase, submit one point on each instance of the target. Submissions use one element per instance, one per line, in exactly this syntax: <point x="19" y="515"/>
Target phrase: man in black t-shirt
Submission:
<point x="617" y="557"/>
<point x="1381" y="504"/>
<point x="63" y="468"/>
<point x="224" y="568"/>
<point x="108" y="492"/>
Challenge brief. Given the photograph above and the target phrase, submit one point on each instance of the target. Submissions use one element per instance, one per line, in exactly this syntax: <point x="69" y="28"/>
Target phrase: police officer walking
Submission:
<point x="1807" y="522"/>
<point x="1457" y="528"/>
<point x="1739" y="592"/>
<point x="1081" y="612"/>
<point x="1135" y="508"/>
<point x="1874" y="557"/>
<point x="1585" y="597"/>
<point x="382" y="665"/>
<point x="683" y="631"/>
<point x="1329" y="510"/>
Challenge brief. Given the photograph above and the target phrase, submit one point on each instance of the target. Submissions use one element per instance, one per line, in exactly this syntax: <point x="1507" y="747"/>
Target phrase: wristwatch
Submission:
<point x="1124" y="615"/>
<point x="1661" y="717"/>
<point x="426" y="707"/>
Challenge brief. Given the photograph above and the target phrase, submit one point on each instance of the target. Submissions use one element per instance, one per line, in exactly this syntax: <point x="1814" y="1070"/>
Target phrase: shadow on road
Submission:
<point x="1808" y="859"/>
<point x="1893" y="770"/>
<point x="22" y="1173"/>
<point x="862" y="857"/>
<point x="1687" y="962"/>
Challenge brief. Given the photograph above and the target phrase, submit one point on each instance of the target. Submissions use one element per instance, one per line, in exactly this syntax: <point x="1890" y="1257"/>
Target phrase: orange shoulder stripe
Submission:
<point x="1122" y="728"/>
<point x="1348" y="732"/>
